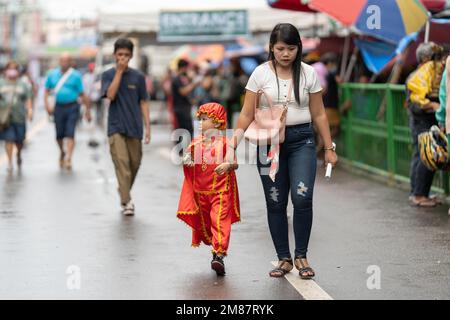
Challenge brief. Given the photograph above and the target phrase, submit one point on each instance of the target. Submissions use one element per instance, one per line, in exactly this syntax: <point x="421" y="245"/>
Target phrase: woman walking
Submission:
<point x="282" y="74"/>
<point x="16" y="96"/>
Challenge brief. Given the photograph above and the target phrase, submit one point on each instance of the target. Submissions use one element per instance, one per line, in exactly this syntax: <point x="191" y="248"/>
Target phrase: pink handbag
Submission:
<point x="269" y="124"/>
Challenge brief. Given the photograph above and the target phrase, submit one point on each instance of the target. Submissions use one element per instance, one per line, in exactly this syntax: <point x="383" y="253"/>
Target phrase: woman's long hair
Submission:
<point x="288" y="34"/>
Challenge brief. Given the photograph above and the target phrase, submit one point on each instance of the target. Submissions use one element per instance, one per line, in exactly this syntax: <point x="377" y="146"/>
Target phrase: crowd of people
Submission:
<point x="193" y="85"/>
<point x="311" y="119"/>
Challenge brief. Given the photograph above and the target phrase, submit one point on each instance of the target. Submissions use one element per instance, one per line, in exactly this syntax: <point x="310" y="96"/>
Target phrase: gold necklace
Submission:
<point x="204" y="164"/>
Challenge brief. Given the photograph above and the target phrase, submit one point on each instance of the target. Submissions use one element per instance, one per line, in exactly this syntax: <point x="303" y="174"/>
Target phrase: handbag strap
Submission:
<point x="289" y="95"/>
<point x="269" y="100"/>
<point x="62" y="81"/>
<point x="13" y="97"/>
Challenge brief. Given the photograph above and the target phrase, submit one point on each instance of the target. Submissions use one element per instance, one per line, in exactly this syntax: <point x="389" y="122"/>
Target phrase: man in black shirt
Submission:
<point x="128" y="114"/>
<point x="182" y="87"/>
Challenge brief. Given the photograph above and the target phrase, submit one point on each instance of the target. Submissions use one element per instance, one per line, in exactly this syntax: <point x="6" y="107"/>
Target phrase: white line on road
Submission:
<point x="34" y="131"/>
<point x="308" y="289"/>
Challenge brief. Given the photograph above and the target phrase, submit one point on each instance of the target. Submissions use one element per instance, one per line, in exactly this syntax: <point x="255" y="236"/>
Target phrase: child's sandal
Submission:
<point x="306" y="273"/>
<point x="284" y="266"/>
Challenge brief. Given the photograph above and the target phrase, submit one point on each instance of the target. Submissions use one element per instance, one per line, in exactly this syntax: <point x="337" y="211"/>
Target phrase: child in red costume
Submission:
<point x="209" y="201"/>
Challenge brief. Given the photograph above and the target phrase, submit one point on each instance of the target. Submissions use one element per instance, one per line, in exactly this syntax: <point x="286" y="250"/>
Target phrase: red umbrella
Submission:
<point x="435" y="5"/>
<point x="345" y="12"/>
<point x="294" y="5"/>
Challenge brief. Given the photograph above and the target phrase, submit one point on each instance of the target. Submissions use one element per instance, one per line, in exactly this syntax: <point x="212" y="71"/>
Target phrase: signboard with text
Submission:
<point x="198" y="26"/>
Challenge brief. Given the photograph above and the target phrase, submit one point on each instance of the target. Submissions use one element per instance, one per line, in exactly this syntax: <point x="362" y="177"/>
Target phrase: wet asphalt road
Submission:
<point x="51" y="220"/>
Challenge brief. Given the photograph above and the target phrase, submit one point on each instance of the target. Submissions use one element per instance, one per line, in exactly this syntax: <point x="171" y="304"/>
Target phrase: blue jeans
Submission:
<point x="296" y="174"/>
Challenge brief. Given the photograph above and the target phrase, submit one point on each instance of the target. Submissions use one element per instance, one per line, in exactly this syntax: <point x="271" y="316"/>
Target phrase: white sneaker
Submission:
<point x="128" y="209"/>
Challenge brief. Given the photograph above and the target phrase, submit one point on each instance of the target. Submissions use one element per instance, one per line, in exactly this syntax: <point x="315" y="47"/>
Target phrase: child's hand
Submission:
<point x="187" y="160"/>
<point x="225" y="167"/>
<point x="222" y="168"/>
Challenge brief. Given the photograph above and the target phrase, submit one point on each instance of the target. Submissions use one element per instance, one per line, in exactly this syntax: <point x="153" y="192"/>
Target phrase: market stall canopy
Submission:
<point x="310" y="44"/>
<point x="236" y="51"/>
<point x="294" y="5"/>
<point x="378" y="54"/>
<point x="199" y="53"/>
<point x="85" y="51"/>
<point x="388" y="20"/>
<point x="436" y="5"/>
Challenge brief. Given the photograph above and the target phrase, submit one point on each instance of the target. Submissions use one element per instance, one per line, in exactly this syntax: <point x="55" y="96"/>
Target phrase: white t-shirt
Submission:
<point x="264" y="78"/>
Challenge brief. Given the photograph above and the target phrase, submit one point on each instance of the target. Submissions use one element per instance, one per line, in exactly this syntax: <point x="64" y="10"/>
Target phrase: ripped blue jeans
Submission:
<point x="296" y="174"/>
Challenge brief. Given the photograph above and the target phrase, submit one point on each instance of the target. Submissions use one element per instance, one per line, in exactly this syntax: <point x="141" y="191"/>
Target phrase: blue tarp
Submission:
<point x="377" y="54"/>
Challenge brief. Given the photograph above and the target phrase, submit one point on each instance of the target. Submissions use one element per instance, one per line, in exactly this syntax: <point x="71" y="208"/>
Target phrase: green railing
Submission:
<point x="375" y="134"/>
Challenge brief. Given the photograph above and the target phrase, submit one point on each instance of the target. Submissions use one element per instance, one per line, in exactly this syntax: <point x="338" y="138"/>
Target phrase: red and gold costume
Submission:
<point x="209" y="202"/>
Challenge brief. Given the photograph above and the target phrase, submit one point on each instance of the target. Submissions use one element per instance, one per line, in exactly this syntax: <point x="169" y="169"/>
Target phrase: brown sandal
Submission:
<point x="284" y="266"/>
<point x="425" y="203"/>
<point x="306" y="273"/>
<point x="436" y="199"/>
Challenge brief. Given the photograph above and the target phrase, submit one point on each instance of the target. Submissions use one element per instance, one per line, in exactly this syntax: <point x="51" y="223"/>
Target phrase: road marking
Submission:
<point x="33" y="132"/>
<point x="308" y="289"/>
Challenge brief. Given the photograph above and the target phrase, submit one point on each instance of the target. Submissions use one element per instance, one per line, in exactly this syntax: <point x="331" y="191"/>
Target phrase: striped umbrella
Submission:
<point x="389" y="20"/>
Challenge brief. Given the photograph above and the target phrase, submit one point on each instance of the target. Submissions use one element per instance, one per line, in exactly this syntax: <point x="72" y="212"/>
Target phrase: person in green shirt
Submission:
<point x="15" y="94"/>
<point x="443" y="114"/>
<point x="444" y="100"/>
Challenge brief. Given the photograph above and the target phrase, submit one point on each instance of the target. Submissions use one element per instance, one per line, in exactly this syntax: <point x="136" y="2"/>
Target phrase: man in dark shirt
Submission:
<point x="181" y="89"/>
<point x="128" y="113"/>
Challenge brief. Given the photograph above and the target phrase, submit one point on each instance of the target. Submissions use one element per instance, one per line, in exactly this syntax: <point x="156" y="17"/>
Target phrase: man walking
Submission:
<point x="182" y="87"/>
<point x="66" y="85"/>
<point x="128" y="112"/>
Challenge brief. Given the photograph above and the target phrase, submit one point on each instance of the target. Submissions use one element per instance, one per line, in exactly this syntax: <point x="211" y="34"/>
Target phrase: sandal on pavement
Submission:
<point x="436" y="199"/>
<point x="284" y="266"/>
<point x="425" y="203"/>
<point x="305" y="272"/>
